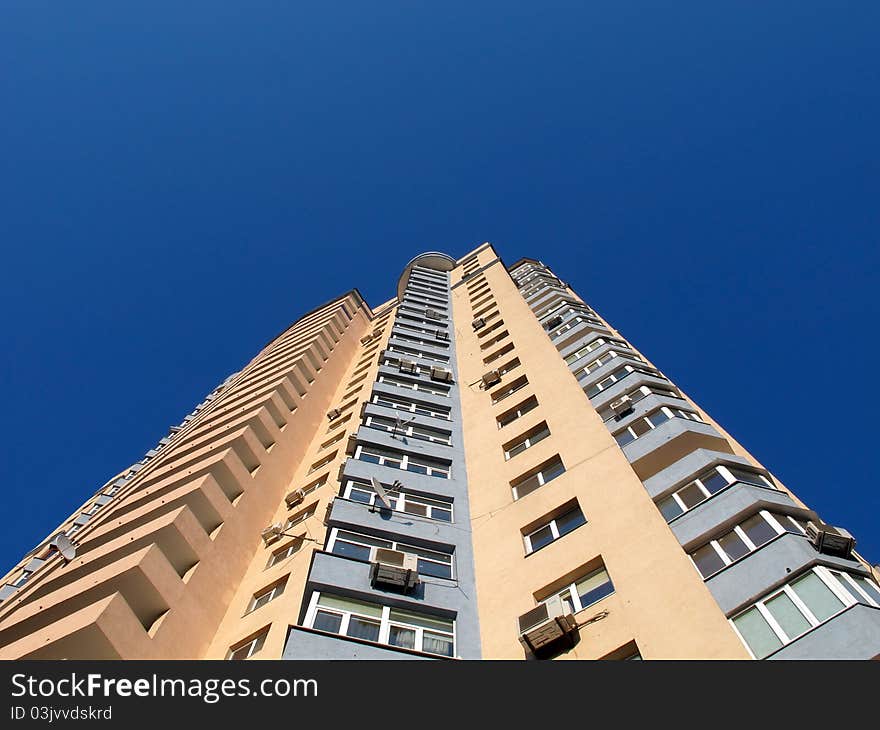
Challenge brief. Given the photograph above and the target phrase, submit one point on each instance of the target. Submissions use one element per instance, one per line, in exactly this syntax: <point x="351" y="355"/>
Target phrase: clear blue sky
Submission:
<point x="179" y="181"/>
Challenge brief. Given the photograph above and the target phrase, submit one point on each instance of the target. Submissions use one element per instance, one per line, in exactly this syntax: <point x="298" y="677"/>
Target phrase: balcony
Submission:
<point x="331" y="572"/>
<point x="418" y="447"/>
<point x="852" y="634"/>
<point x="359" y="517"/>
<point x="669" y="442"/>
<point x="745" y="581"/>
<point x="303" y="643"/>
<point x="728" y="507"/>
<point x="690" y="467"/>
<point x="374" y="409"/>
<point x="409" y="394"/>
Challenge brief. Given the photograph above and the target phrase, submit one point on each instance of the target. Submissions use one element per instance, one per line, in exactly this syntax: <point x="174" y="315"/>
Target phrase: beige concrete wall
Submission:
<point x="159" y="568"/>
<point x="283" y="611"/>
<point x="660" y="600"/>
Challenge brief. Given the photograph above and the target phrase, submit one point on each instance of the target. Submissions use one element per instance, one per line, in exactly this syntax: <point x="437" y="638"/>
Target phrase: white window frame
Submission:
<point x="724" y="472"/>
<point x="527" y="443"/>
<point x="825" y="575"/>
<point x="255" y="645"/>
<point x="667" y="411"/>
<point x="375" y="422"/>
<point x="306" y="514"/>
<point x="417" y="353"/>
<point x="770" y="518"/>
<point x="394" y="545"/>
<point x="399" y="501"/>
<point x="402" y="462"/>
<point x="385" y="623"/>
<point x="570" y="592"/>
<point x="415" y="385"/>
<point x="639" y="393"/>
<point x="293" y="548"/>
<point x="554" y="530"/>
<point x="519" y="413"/>
<point x="409" y="407"/>
<point x="270" y="594"/>
<point x="540" y="477"/>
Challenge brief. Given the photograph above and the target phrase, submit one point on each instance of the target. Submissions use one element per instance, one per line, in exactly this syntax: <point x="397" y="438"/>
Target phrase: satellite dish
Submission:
<point x="63" y="545"/>
<point x="380" y="491"/>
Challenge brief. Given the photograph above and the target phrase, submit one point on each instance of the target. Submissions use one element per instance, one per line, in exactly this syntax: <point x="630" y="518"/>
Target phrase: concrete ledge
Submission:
<point x="741" y="584"/>
<point x="852" y="634"/>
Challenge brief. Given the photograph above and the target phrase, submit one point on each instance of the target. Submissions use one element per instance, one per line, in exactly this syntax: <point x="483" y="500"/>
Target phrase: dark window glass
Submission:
<point x="758" y="530"/>
<point x="707" y="561"/>
<point x="713" y="481"/>
<point x="733" y="546"/>
<point x="570" y="521"/>
<point x="325" y="621"/>
<point x="360" y="628"/>
<point x="541" y="537"/>
<point x="350" y="550"/>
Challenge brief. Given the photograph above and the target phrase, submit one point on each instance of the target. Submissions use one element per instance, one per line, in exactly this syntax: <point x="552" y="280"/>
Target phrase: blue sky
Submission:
<point x="179" y="181"/>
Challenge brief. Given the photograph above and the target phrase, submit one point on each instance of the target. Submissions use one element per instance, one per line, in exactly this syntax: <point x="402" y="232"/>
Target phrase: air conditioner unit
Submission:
<point x="442" y="374"/>
<point x="272" y="533"/>
<point x="478" y="323"/>
<point x="442" y="335"/>
<point x="491" y="378"/>
<point x="622" y="406"/>
<point x="295" y="497"/>
<point x="406" y="366"/>
<point x="831" y="540"/>
<point x="553" y="322"/>
<point x="335" y="413"/>
<point x="394" y="568"/>
<point x="547" y="628"/>
<point x="433" y="314"/>
<point x="366" y="339"/>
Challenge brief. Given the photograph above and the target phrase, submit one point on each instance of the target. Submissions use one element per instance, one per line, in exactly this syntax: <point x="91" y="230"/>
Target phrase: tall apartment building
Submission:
<point x="481" y="467"/>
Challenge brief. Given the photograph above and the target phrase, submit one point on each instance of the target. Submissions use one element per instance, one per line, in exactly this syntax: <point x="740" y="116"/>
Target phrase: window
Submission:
<point x="498" y="353"/>
<point x="286" y="551"/>
<point x="643" y="424"/>
<point x="358" y="546"/>
<point x="789" y="612"/>
<point x="529" y="482"/>
<point x="411" y="352"/>
<point x="743" y="539"/>
<point x="302" y="516"/>
<point x="617" y="376"/>
<point x="574" y="322"/>
<point x="587" y="590"/>
<point x="322" y="462"/>
<point x="403" y="404"/>
<point x="707" y="484"/>
<point x="382" y="624"/>
<point x="510" y="416"/>
<point x="416" y="431"/>
<point x="554" y="529"/>
<point x="526" y="441"/>
<point x="637" y="394"/>
<point x="249" y="648"/>
<point x="420" y="386"/>
<point x="270" y="593"/>
<point x="499" y="395"/>
<point x="508" y="366"/>
<point x="588" y="348"/>
<point x="434" y="508"/>
<point x="400" y="460"/>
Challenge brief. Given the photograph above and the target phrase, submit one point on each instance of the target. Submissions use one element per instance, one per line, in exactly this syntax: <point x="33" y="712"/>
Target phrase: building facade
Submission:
<point x="482" y="467"/>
